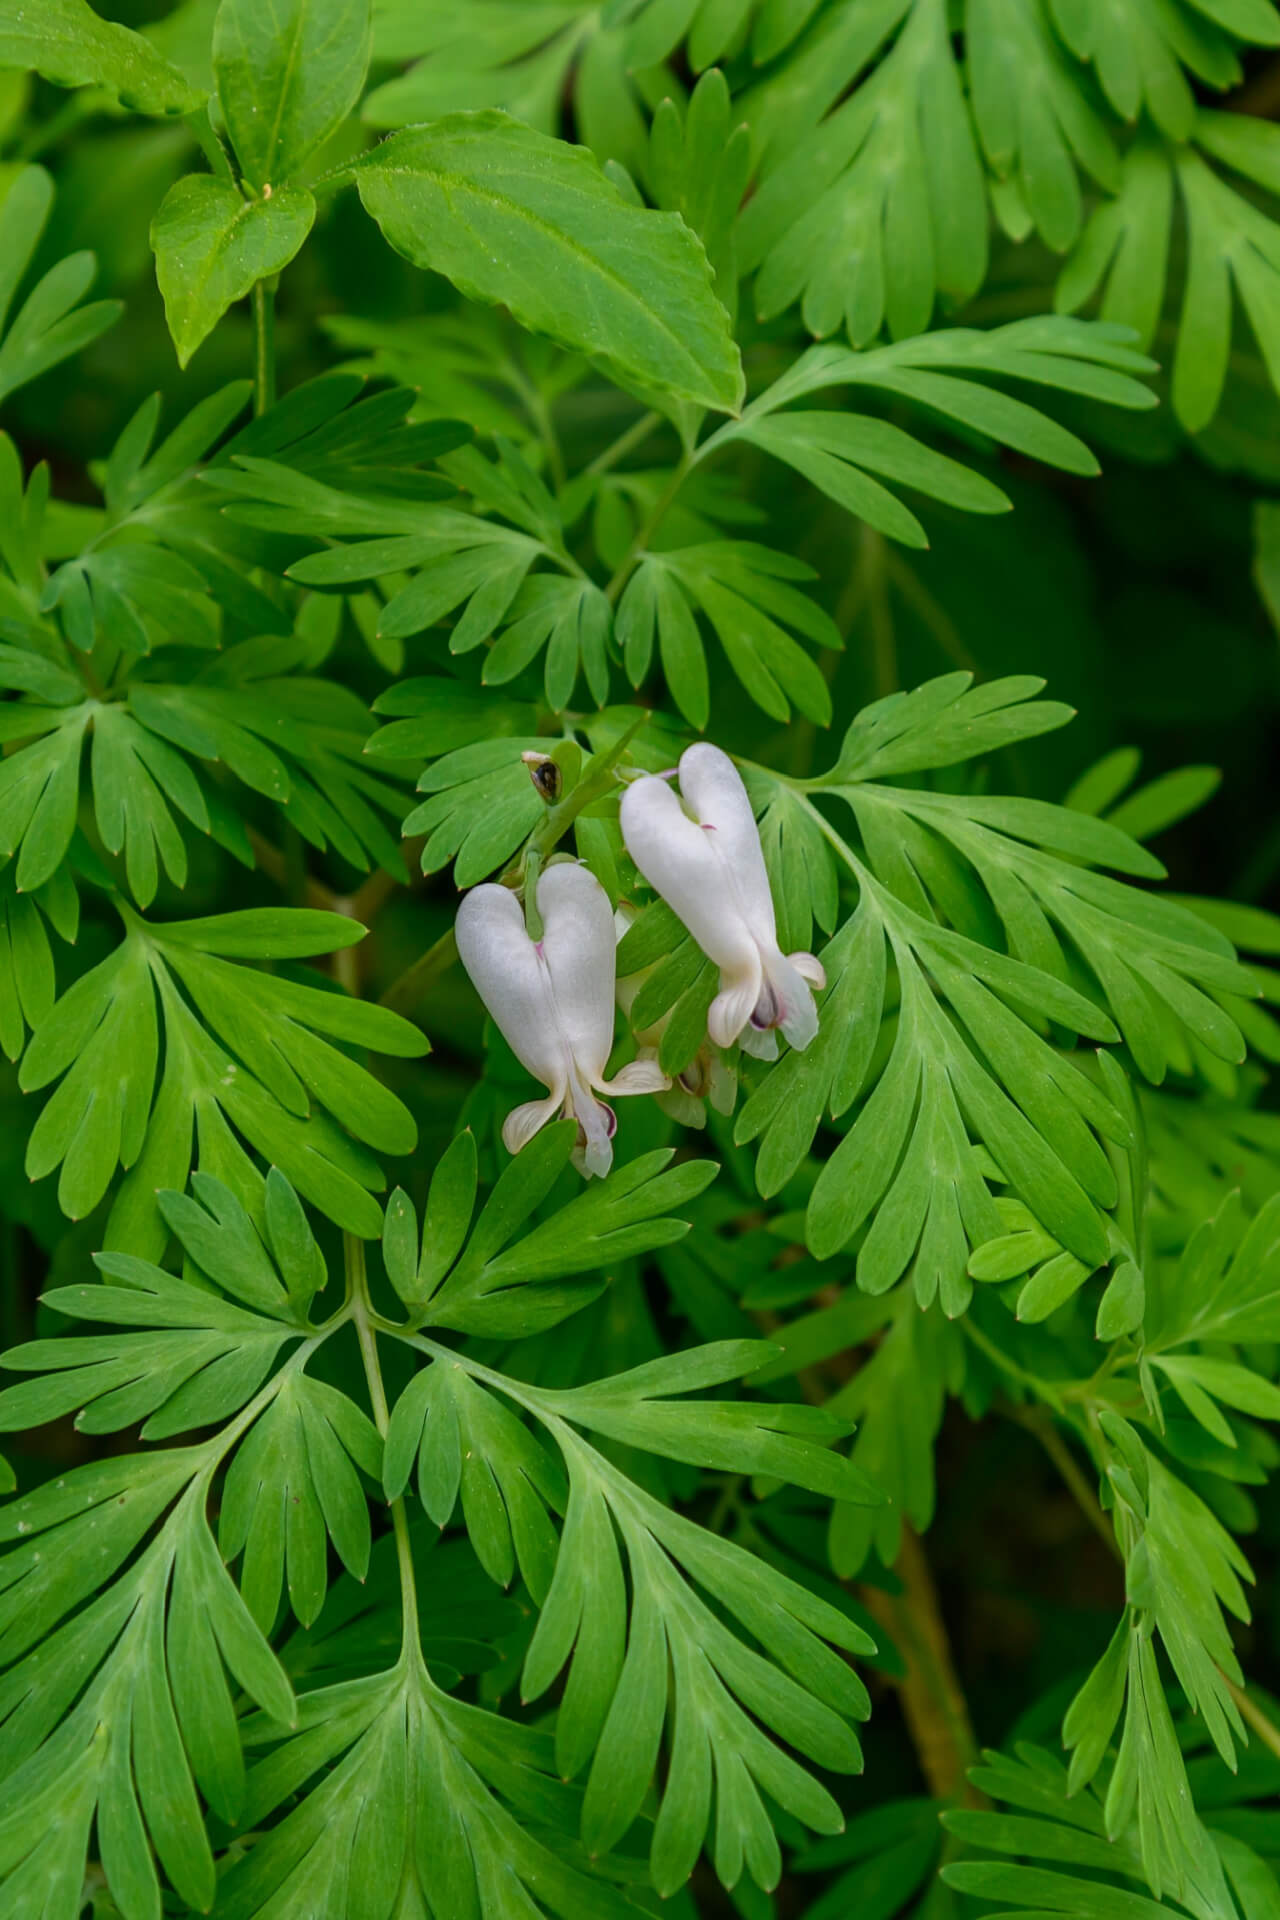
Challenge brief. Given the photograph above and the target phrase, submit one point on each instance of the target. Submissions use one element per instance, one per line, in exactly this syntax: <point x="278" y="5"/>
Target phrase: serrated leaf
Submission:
<point x="511" y="216"/>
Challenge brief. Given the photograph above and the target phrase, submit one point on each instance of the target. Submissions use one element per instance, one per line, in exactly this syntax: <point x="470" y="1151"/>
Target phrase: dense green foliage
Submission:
<point x="420" y="421"/>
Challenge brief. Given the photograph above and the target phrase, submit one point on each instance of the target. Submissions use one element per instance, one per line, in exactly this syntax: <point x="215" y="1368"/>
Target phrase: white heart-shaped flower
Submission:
<point x="704" y="858"/>
<point x="553" y="1001"/>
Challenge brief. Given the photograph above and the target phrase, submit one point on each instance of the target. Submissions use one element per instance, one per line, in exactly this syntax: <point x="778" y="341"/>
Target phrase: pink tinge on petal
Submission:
<point x="696" y="1078"/>
<point x="768" y="1011"/>
<point x="610" y="1121"/>
<point x="593" y="1149"/>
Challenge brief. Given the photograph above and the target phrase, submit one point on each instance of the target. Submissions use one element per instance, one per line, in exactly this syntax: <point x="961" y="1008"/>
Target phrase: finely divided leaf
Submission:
<point x="51" y="324"/>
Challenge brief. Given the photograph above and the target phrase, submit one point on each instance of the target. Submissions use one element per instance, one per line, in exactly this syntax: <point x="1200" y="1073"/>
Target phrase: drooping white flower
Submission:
<point x="553" y="1001"/>
<point x="704" y="858"/>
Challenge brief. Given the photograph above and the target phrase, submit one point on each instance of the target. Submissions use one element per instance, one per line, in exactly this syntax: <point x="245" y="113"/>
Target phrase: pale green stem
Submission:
<point x="883" y="638"/>
<point x="210" y="145"/>
<point x="364" y="1317"/>
<point x="1073" y="1478"/>
<point x="626" y="443"/>
<point x="1057" y="1450"/>
<point x="657" y="514"/>
<point x="532" y="918"/>
<point x="544" y="421"/>
<point x="264" y="345"/>
<point x="409" y="990"/>
<point x="1265" y="1728"/>
<point x="1042" y="1389"/>
<point x="81" y="106"/>
<point x="935" y="617"/>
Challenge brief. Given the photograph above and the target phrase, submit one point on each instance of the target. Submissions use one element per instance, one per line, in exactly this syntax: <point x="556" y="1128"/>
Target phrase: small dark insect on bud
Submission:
<point x="545" y="775"/>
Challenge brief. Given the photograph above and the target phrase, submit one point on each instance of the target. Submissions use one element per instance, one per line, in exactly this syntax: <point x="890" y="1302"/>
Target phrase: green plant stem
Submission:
<point x="332" y="180"/>
<point x="363" y="1316"/>
<point x="408" y="991"/>
<point x="372" y="895"/>
<point x="598" y="779"/>
<point x="541" y="415"/>
<point x="657" y="514"/>
<point x="1042" y="1389"/>
<point x="210" y="145"/>
<point x="89" y="674"/>
<point x="804" y="730"/>
<point x="264" y="346"/>
<point x="1045" y="1431"/>
<point x="727" y="1501"/>
<point x="81" y="106"/>
<point x="216" y="1449"/>
<point x="410" y="988"/>
<point x="532" y="918"/>
<point x="618" y="449"/>
<point x="346" y="970"/>
<point x="1265" y="1728"/>
<point x="935" y="617"/>
<point x="880" y="611"/>
<point x="933" y="1702"/>
<point x="829" y="833"/>
<point x="274" y="863"/>
<point x="1051" y="1440"/>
